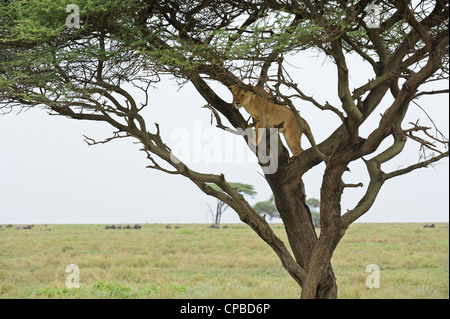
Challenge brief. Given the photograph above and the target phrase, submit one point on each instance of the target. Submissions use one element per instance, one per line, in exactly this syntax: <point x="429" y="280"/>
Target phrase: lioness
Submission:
<point x="269" y="114"/>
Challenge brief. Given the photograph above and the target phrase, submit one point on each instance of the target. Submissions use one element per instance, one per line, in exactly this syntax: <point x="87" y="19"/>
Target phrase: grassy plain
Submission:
<point x="195" y="261"/>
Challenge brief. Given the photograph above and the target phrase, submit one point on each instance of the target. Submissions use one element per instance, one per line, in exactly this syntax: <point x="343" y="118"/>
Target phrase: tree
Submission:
<point x="245" y="189"/>
<point x="268" y="208"/>
<point x="85" y="73"/>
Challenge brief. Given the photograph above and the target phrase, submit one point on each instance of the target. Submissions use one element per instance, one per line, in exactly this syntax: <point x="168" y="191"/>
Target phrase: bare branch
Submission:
<point x="219" y="121"/>
<point x="376" y="181"/>
<point x="360" y="184"/>
<point x="354" y="114"/>
<point x="303" y="96"/>
<point x="301" y="123"/>
<point x="91" y="141"/>
<point x="424" y="143"/>
<point x="446" y="91"/>
<point x="156" y="165"/>
<point x="418" y="27"/>
<point x="358" y="49"/>
<point x="377" y="178"/>
<point x="416" y="166"/>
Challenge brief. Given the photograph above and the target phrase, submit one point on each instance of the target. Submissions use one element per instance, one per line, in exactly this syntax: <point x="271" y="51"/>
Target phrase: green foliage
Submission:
<point x="137" y="37"/>
<point x="313" y="203"/>
<point x="31" y="21"/>
<point x="158" y="46"/>
<point x="267" y="208"/>
<point x="245" y="189"/>
<point x="42" y="61"/>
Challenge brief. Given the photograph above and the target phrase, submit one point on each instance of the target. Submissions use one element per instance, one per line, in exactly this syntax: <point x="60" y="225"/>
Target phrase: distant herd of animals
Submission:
<point x="136" y="226"/>
<point x="124" y="227"/>
<point x="21" y="226"/>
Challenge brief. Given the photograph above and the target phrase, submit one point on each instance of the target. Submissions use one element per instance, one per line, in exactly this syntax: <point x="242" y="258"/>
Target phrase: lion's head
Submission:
<point x="240" y="96"/>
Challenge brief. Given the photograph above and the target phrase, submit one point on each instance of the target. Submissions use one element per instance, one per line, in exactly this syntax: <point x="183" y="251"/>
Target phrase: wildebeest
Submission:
<point x="23" y="227"/>
<point x="429" y="226"/>
<point x="124" y="227"/>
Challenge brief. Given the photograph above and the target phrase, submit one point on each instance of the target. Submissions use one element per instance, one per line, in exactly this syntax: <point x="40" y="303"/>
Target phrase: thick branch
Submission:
<point x="348" y="104"/>
<point x="227" y="109"/>
<point x="377" y="178"/>
<point x="231" y="197"/>
<point x="404" y="97"/>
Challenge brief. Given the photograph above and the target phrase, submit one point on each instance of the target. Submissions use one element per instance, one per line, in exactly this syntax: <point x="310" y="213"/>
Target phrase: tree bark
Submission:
<point x="310" y="252"/>
<point x="320" y="282"/>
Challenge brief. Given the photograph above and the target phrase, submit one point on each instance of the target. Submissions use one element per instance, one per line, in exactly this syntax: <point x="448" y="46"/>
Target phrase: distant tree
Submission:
<point x="268" y="208"/>
<point x="221" y="207"/>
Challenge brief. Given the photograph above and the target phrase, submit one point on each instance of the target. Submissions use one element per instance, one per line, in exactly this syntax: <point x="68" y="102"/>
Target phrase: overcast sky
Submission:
<point x="48" y="174"/>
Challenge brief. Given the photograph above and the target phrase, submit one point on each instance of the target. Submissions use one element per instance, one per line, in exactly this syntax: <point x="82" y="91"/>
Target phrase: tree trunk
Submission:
<point x="320" y="281"/>
<point x="310" y="253"/>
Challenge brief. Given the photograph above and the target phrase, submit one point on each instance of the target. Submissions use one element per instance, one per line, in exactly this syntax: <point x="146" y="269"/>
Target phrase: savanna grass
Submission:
<point x="195" y="261"/>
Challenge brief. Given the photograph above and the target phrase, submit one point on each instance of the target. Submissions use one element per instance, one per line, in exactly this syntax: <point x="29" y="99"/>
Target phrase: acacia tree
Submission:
<point x="86" y="73"/>
<point x="221" y="207"/>
<point x="268" y="208"/>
